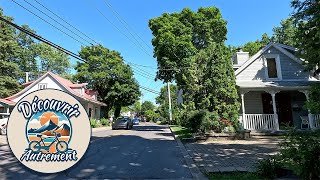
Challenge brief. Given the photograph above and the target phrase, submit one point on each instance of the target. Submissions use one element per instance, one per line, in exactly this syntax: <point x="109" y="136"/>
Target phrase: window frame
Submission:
<point x="278" y="66"/>
<point x="42" y="84"/>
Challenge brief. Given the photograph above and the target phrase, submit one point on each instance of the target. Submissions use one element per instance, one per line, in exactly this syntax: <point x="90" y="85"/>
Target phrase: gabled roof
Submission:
<point x="63" y="82"/>
<point x="281" y="47"/>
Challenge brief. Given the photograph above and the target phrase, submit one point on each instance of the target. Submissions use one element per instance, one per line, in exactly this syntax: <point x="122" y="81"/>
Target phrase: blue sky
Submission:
<point x="247" y="21"/>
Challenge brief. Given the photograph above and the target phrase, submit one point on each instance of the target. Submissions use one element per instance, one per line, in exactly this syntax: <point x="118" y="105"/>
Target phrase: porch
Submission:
<point x="273" y="109"/>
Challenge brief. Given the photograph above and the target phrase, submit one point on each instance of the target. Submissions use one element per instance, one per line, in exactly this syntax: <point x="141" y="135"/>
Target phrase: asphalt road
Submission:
<point x="148" y="151"/>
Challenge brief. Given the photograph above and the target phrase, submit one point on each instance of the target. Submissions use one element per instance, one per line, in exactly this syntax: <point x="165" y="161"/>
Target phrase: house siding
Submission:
<point x="253" y="102"/>
<point x="290" y="69"/>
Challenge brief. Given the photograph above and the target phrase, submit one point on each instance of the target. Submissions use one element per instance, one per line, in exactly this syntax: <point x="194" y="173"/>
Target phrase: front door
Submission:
<point x="284" y="110"/>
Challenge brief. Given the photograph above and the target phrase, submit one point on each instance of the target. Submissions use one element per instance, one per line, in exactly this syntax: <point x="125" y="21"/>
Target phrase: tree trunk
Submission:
<point x="117" y="111"/>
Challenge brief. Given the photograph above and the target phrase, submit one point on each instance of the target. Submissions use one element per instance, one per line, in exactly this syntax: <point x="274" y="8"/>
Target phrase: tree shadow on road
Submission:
<point x="121" y="157"/>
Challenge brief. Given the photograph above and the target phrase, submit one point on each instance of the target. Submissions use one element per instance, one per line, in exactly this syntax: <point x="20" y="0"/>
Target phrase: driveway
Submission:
<point x="148" y="151"/>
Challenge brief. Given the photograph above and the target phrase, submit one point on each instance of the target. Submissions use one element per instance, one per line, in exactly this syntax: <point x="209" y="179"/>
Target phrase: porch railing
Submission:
<point x="316" y="119"/>
<point x="258" y="121"/>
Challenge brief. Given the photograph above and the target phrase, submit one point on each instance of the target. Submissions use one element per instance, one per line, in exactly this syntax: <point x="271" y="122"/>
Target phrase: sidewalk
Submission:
<point x="100" y="129"/>
<point x="232" y="155"/>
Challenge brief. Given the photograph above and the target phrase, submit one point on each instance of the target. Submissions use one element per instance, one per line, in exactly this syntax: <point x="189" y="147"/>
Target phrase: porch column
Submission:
<point x="244" y="121"/>
<point x="310" y="116"/>
<point x="274" y="106"/>
<point x="7" y="109"/>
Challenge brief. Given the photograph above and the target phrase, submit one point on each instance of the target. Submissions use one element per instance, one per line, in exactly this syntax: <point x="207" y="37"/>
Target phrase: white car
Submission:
<point x="3" y="126"/>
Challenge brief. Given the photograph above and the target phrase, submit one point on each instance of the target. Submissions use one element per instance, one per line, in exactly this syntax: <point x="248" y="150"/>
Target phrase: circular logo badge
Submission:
<point x="48" y="131"/>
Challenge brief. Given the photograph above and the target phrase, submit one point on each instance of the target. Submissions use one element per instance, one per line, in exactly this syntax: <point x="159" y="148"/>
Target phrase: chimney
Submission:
<point x="27" y="77"/>
<point x="240" y="57"/>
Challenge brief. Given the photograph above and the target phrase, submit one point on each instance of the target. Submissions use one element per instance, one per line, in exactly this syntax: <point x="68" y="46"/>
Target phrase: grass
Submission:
<point x="181" y="132"/>
<point x="235" y="175"/>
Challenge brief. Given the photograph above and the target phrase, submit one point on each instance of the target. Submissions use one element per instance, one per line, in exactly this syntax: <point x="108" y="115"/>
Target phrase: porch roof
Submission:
<point x="276" y="84"/>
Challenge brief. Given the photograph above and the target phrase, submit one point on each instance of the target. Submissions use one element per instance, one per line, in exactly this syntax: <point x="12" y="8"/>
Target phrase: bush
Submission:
<point x="269" y="168"/>
<point x="300" y="153"/>
<point x="104" y="122"/>
<point x="94" y="123"/>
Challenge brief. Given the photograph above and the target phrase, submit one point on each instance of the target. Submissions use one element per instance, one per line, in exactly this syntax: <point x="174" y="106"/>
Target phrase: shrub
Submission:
<point x="300" y="153"/>
<point x="269" y="168"/>
<point x="94" y="123"/>
<point x="104" y="122"/>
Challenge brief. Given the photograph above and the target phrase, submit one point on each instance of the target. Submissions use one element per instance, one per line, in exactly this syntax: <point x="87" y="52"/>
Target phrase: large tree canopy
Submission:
<point x="178" y="36"/>
<point x="106" y="72"/>
<point x="307" y="17"/>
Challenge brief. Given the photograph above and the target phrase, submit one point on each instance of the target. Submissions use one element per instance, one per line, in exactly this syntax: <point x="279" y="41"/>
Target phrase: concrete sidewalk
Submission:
<point x="232" y="155"/>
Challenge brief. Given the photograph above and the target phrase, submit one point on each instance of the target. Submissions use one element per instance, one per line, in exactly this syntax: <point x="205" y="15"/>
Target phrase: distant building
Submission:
<point x="87" y="97"/>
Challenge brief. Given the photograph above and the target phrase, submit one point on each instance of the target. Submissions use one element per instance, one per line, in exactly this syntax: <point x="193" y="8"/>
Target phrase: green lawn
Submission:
<point x="235" y="175"/>
<point x="181" y="132"/>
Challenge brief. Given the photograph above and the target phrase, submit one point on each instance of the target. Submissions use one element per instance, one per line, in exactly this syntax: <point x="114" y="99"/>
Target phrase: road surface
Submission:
<point x="148" y="151"/>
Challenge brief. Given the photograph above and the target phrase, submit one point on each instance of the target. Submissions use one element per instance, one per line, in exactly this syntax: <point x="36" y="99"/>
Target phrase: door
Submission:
<point x="284" y="110"/>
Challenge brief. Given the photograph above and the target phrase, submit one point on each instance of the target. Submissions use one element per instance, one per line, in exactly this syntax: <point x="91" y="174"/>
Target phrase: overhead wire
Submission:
<point x="55" y="14"/>
<point x="48" y="22"/>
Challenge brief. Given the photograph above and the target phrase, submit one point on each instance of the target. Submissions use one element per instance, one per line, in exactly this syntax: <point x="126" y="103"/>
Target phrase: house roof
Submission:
<point x="67" y="84"/>
<point x="276" y="84"/>
<point x="7" y="102"/>
<point x="281" y="47"/>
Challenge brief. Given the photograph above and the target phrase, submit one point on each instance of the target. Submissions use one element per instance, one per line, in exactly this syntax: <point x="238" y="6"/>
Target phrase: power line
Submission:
<point x="57" y="22"/>
<point x="126" y="25"/>
<point x="48" y="22"/>
<point x="58" y="47"/>
<point x="42" y="39"/>
<point x="65" y="21"/>
<point x="116" y="27"/>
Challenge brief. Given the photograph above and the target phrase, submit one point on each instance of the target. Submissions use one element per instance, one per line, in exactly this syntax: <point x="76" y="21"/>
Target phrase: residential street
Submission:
<point x="146" y="152"/>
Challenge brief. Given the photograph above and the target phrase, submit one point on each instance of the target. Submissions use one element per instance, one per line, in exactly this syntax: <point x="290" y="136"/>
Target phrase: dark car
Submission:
<point x="135" y="121"/>
<point x="122" y="122"/>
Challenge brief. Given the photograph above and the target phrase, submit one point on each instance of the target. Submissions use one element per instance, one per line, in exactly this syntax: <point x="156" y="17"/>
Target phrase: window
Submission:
<point x="90" y="112"/>
<point x="272" y="68"/>
<point x="42" y="86"/>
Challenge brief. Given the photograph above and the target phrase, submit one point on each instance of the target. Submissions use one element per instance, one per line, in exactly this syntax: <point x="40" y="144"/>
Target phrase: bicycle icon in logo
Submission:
<point x="61" y="146"/>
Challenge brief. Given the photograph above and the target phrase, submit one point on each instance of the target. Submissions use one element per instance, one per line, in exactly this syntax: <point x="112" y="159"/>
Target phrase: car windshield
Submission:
<point x="123" y="118"/>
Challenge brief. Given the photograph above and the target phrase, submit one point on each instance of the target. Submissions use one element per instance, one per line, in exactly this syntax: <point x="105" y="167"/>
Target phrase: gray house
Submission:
<point x="274" y="88"/>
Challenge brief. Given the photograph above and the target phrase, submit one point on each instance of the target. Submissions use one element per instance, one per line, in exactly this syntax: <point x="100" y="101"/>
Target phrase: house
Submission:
<point x="273" y="88"/>
<point x="88" y="98"/>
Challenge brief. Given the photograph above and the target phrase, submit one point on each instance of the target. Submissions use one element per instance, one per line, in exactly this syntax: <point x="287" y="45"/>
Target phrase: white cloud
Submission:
<point x="64" y="121"/>
<point x="34" y="121"/>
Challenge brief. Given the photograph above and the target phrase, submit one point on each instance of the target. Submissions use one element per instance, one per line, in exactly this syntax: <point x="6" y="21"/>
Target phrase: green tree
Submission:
<point x="307" y="18"/>
<point x="163" y="102"/>
<point x="105" y="71"/>
<point x="285" y="33"/>
<point x="178" y="36"/>
<point x="147" y="105"/>
<point x="52" y="60"/>
<point x="9" y="53"/>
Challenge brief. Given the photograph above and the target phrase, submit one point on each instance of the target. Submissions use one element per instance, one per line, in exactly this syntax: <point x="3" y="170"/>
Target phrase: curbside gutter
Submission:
<point x="194" y="170"/>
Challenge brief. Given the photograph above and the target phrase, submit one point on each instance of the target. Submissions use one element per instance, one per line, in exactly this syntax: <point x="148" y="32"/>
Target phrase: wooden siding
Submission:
<point x="290" y="69"/>
<point x="253" y="103"/>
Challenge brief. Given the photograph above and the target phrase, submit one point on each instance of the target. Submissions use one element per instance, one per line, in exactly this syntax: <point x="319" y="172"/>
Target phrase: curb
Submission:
<point x="100" y="129"/>
<point x="194" y="170"/>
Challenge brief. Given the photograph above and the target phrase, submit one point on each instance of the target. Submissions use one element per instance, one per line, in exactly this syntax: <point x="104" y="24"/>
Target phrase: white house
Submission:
<point x="274" y="88"/>
<point x="88" y="98"/>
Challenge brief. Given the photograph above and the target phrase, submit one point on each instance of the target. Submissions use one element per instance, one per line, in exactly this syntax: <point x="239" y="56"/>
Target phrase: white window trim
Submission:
<point x="278" y="64"/>
<point x="43" y="84"/>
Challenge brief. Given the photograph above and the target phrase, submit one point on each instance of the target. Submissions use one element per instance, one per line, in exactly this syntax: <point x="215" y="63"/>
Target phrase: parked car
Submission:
<point x="122" y="122"/>
<point x="3" y="126"/>
<point x="135" y="121"/>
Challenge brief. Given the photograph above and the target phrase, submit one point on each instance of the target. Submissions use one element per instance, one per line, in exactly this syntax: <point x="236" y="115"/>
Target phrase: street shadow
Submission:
<point x="115" y="157"/>
<point x="243" y="154"/>
<point x="142" y="127"/>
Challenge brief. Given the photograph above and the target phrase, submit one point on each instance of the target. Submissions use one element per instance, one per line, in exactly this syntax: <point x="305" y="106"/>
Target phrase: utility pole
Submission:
<point x="170" y="110"/>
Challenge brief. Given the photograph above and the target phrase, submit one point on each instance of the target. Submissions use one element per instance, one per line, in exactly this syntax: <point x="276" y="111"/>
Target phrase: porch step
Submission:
<point x="268" y="133"/>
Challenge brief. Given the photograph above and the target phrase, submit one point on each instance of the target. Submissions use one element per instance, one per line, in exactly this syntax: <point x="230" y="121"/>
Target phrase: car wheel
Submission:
<point x="113" y="128"/>
<point x="3" y="130"/>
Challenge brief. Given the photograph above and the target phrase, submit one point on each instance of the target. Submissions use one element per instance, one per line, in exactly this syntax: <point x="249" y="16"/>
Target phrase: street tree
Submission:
<point x="307" y="18"/>
<point x="52" y="59"/>
<point x="106" y="72"/>
<point x="179" y="36"/>
<point x="147" y="106"/>
<point x="9" y="55"/>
